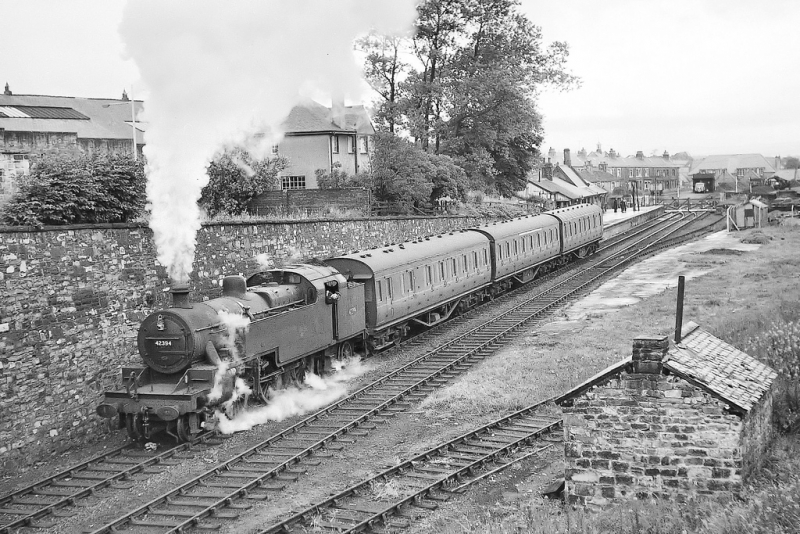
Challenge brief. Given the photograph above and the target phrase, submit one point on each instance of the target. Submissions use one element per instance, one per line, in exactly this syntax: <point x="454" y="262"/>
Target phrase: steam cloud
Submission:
<point x="292" y="401"/>
<point x="216" y="73"/>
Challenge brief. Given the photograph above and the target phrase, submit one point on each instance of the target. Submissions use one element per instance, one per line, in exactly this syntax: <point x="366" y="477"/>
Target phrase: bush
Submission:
<point x="73" y="189"/>
<point x="236" y="178"/>
<point x="778" y="346"/>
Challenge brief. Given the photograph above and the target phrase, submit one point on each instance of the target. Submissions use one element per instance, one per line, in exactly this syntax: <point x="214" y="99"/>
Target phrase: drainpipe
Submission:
<point x="355" y="148"/>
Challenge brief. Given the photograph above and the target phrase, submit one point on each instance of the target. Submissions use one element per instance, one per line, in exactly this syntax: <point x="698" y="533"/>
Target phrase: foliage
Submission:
<point x="406" y="176"/>
<point x="79" y="188"/>
<point x="470" y="94"/>
<point x="337" y="178"/>
<point x="778" y="346"/>
<point x="791" y="162"/>
<point x="236" y="178"/>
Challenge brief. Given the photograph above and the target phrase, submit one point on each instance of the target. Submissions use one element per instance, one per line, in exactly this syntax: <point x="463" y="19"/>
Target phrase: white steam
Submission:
<point x="216" y="73"/>
<point x="292" y="401"/>
<point x="226" y="381"/>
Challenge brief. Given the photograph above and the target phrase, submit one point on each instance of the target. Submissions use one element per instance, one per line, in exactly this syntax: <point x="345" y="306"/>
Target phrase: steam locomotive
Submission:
<point x="268" y="330"/>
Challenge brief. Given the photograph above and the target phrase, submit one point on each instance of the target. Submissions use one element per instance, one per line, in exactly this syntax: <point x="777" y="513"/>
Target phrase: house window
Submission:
<point x="293" y="182"/>
<point x="646" y="172"/>
<point x="362" y="144"/>
<point x="351" y="144"/>
<point x="335" y="144"/>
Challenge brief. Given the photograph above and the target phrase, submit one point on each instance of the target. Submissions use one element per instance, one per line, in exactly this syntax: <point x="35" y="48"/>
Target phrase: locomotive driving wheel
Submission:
<point x="182" y="429"/>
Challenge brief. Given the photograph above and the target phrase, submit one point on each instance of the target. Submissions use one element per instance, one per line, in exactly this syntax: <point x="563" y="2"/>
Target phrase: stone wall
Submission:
<point x="642" y="433"/>
<point x="73" y="298"/>
<point x="757" y="434"/>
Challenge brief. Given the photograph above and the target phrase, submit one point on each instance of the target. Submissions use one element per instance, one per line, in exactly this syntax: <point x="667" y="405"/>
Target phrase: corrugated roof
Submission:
<point x="718" y="367"/>
<point x="46" y="112"/>
<point x="731" y="162"/>
<point x="106" y="116"/>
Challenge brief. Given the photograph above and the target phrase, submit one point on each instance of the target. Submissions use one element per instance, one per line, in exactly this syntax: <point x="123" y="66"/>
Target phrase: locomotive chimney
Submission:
<point x="180" y="296"/>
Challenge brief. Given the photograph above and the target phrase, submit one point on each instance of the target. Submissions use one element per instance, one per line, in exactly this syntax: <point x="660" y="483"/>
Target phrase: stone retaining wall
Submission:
<point x="73" y="298"/>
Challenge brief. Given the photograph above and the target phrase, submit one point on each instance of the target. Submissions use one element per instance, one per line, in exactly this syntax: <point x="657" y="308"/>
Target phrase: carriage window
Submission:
<point x="545" y="238"/>
<point x="485" y="257"/>
<point x="466" y="268"/>
<point x="523" y="245"/>
<point x="402" y="284"/>
<point x="508" y="249"/>
<point x="500" y="251"/>
<point x="380" y="290"/>
<point x="538" y="240"/>
<point x="516" y="248"/>
<point x="389" y="288"/>
<point x="410" y="281"/>
<point x="441" y="270"/>
<point x="475" y="259"/>
<point x="428" y="275"/>
<point x="453" y="266"/>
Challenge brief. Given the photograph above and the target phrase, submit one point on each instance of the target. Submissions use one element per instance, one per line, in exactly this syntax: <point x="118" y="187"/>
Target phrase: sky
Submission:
<point x="702" y="76"/>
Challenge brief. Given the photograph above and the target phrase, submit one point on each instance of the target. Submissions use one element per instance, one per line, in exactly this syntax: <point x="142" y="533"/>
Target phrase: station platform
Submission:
<point x="619" y="222"/>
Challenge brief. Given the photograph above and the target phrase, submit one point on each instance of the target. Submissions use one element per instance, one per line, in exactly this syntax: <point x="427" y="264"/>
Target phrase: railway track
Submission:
<point x="41" y="504"/>
<point x="386" y="499"/>
<point x="223" y="491"/>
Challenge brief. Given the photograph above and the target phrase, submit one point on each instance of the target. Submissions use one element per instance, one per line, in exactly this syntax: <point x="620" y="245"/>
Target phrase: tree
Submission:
<point x="408" y="177"/>
<point x="791" y="162"/>
<point x="236" y="178"/>
<point x="471" y="94"/>
<point x="79" y="188"/>
<point x="384" y="69"/>
<point x="335" y="179"/>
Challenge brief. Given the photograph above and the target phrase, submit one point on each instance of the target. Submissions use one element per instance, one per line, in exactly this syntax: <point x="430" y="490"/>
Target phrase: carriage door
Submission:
<point x="332" y="299"/>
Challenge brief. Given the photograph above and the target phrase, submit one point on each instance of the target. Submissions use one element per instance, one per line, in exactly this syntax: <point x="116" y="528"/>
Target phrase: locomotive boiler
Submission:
<point x="262" y="333"/>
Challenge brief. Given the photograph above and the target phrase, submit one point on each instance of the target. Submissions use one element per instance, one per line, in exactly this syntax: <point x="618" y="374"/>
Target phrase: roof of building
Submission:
<point x="573" y="176"/>
<point x="719" y="368"/>
<point x="730" y="182"/>
<point x="732" y="162"/>
<point x="625" y="162"/>
<point x="788" y="174"/>
<point x="312" y="117"/>
<point x="594" y="176"/>
<point x="706" y="361"/>
<point x="559" y="186"/>
<point x="89" y="118"/>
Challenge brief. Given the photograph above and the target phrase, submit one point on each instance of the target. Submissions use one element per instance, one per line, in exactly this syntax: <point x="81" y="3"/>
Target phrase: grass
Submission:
<point x="748" y="300"/>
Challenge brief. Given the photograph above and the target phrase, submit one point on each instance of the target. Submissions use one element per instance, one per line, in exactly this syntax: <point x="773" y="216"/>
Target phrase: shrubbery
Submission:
<point x="73" y="189"/>
<point x="236" y="178"/>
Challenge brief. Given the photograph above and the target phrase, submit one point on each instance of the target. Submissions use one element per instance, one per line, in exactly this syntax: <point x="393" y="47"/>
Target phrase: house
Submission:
<point x="736" y="164"/>
<point x="32" y="125"/>
<point x="673" y="421"/>
<point x="319" y="137"/>
<point x="563" y="185"/>
<point x="650" y="173"/>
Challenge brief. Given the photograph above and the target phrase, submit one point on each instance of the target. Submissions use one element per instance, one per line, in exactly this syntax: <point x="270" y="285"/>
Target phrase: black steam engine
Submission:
<point x="270" y="329"/>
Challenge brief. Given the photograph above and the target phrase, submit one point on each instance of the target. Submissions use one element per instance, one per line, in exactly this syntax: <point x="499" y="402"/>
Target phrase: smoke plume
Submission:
<point x="284" y="403"/>
<point x="216" y="73"/>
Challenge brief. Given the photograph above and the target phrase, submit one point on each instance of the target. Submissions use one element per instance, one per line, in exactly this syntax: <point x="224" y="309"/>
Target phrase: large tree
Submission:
<point x="471" y="92"/>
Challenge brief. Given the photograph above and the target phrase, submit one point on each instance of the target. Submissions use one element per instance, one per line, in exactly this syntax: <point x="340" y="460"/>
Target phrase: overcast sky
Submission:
<point x="704" y="76"/>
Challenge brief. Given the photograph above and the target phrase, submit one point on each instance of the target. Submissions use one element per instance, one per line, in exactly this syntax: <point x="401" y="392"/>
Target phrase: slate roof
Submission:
<point x="599" y="378"/>
<point x="719" y="368"/>
<point x="566" y="189"/>
<point x="312" y="117"/>
<point x="731" y="162"/>
<point x="728" y="181"/>
<point x="646" y="162"/>
<point x="596" y="175"/>
<point x="86" y="117"/>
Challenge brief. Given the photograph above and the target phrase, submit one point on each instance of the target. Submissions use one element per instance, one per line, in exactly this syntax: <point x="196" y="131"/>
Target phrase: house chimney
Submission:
<point x="7" y="91"/>
<point x="551" y="154"/>
<point x="612" y="154"/>
<point x="648" y="353"/>
<point x="547" y="171"/>
<point x="338" y="112"/>
<point x="777" y="163"/>
<point x="125" y="95"/>
<point x="665" y="155"/>
<point x="567" y="159"/>
<point x="639" y="154"/>
<point x="582" y="153"/>
<point x="604" y="166"/>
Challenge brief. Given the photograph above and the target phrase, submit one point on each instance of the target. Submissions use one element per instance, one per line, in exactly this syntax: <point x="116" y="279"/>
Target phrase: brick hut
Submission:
<point x="677" y="422"/>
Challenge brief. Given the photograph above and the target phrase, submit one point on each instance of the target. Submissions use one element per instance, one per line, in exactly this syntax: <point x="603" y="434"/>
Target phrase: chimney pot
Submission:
<point x="639" y="154"/>
<point x="567" y="159"/>
<point x="7" y="91"/>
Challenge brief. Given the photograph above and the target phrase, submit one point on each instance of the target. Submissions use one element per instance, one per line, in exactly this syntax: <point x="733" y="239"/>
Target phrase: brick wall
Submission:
<point x="644" y="434"/>
<point x="310" y="201"/>
<point x="73" y="298"/>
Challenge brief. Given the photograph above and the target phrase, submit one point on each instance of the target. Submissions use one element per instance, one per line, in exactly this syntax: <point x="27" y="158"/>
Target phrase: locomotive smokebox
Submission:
<point x="180" y="296"/>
